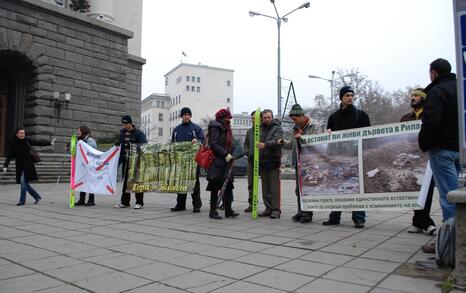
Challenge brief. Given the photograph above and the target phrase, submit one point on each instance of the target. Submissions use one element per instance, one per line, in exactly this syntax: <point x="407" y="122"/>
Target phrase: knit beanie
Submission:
<point x="344" y="90"/>
<point x="223" y="113"/>
<point x="296" y="110"/>
<point x="185" y="110"/>
<point x="126" y="119"/>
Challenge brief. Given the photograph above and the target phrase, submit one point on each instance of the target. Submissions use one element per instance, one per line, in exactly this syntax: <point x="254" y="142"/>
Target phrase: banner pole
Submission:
<point x="73" y="168"/>
<point x="255" y="181"/>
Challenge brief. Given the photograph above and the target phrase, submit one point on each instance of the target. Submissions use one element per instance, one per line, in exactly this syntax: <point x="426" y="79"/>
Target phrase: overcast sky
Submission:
<point x="390" y="41"/>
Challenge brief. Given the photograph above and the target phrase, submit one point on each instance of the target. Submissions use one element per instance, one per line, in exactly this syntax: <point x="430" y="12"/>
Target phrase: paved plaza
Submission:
<point x="51" y="248"/>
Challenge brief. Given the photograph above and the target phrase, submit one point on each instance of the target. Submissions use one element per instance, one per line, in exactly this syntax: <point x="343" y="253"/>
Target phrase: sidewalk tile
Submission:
<point x="198" y="282"/>
<point x="406" y="284"/>
<point x="246" y="287"/>
<point x="327" y="258"/>
<point x="13" y="270"/>
<point x="28" y="283"/>
<point x="372" y="265"/>
<point x="355" y="276"/>
<point x="233" y="269"/>
<point x="280" y="280"/>
<point x="304" y="267"/>
<point x="113" y="282"/>
<point x="329" y="286"/>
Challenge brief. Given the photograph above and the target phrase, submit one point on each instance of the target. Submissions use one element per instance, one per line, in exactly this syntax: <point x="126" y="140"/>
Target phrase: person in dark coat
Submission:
<point x="84" y="134"/>
<point x="221" y="143"/>
<point x="347" y="117"/>
<point x="249" y="151"/>
<point x="188" y="131"/>
<point x="422" y="222"/>
<point x="20" y="151"/>
<point x="129" y="134"/>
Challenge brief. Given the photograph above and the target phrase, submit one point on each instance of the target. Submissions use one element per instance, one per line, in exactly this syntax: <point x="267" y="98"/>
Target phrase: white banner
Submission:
<point x="96" y="171"/>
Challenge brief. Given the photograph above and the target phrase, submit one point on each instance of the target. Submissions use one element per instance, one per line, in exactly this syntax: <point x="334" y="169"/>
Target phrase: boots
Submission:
<point x="82" y="200"/>
<point x="213" y="214"/>
<point x="306" y="217"/>
<point x="180" y="203"/>
<point x="229" y="213"/>
<point x="90" y="201"/>
<point x="298" y="215"/>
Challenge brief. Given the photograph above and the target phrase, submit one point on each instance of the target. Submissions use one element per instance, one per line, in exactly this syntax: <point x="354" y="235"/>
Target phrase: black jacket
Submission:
<point x="20" y="151"/>
<point x="270" y="156"/>
<point x="137" y="136"/>
<point x="217" y="138"/>
<point x="348" y="118"/>
<point x="440" y="122"/>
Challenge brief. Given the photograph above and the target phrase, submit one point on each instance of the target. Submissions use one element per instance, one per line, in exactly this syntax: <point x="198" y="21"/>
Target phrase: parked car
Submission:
<point x="240" y="166"/>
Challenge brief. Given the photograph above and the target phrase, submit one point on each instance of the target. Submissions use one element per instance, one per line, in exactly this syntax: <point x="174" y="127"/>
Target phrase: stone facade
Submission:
<point x="48" y="52"/>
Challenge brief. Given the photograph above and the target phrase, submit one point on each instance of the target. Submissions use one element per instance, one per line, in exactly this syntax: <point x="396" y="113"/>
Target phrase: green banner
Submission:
<point x="255" y="181"/>
<point x="164" y="168"/>
<point x="73" y="169"/>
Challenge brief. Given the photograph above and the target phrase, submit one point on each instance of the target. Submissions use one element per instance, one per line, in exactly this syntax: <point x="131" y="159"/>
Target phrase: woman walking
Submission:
<point x="20" y="151"/>
<point x="84" y="134"/>
<point x="221" y="143"/>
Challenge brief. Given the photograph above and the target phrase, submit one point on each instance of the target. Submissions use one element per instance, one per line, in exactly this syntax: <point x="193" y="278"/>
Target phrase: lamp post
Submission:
<point x="331" y="81"/>
<point x="279" y="20"/>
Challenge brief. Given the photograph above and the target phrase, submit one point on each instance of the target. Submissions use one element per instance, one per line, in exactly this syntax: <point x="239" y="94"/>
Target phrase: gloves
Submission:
<point x="5" y="169"/>
<point x="228" y="158"/>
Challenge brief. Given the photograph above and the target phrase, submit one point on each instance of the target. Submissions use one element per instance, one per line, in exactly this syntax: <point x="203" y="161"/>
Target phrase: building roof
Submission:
<point x="197" y="66"/>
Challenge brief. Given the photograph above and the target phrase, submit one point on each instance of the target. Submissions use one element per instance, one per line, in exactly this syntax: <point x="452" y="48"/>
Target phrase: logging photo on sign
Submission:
<point x="164" y="168"/>
<point x="371" y="168"/>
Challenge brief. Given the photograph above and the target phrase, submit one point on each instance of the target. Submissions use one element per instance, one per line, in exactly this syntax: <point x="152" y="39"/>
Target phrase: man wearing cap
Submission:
<point x="270" y="156"/>
<point x="439" y="132"/>
<point x="188" y="131"/>
<point x="422" y="222"/>
<point x="347" y="117"/>
<point x="129" y="135"/>
<point x="303" y="125"/>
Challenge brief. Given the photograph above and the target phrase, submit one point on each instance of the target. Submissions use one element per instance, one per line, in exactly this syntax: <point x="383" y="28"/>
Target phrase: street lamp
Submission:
<point x="331" y="81"/>
<point x="279" y="20"/>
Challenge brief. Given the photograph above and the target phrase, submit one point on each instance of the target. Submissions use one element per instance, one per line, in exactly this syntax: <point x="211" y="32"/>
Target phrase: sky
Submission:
<point x="391" y="41"/>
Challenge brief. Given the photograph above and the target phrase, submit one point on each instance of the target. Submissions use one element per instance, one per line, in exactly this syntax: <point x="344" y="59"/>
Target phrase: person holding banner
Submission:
<point x="84" y="134"/>
<point x="129" y="135"/>
<point x="221" y="143"/>
<point x="347" y="117"/>
<point x="422" y="222"/>
<point x="270" y="156"/>
<point x="249" y="151"/>
<point x="303" y="125"/>
<point x="20" y="151"/>
<point x="188" y="131"/>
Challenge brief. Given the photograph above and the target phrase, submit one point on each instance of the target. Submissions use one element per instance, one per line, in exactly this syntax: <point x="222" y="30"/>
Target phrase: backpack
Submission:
<point x="445" y="244"/>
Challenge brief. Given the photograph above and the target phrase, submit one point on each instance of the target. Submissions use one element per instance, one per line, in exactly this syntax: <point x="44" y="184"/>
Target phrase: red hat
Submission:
<point x="223" y="113"/>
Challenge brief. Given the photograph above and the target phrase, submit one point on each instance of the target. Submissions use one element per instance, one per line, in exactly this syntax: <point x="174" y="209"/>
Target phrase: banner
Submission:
<point x="165" y="168"/>
<point x="96" y="171"/>
<point x="371" y="168"/>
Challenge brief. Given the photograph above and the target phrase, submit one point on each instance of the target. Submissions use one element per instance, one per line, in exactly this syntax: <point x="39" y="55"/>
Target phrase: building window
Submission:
<point x="158" y="103"/>
<point x="187" y="87"/>
<point x="160" y="116"/>
<point x="193" y="79"/>
<point x="162" y="104"/>
<point x="198" y="89"/>
<point x="178" y="80"/>
<point x="193" y="88"/>
<point x="228" y="83"/>
<point x="166" y="81"/>
<point x="160" y="131"/>
<point x="198" y="79"/>
<point x="187" y="78"/>
<point x="228" y="100"/>
<point x="179" y="99"/>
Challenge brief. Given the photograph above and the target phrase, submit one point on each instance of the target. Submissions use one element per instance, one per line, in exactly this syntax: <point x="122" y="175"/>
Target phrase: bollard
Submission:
<point x="458" y="196"/>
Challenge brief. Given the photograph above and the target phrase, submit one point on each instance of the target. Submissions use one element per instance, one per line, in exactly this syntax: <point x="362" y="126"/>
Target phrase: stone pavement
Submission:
<point x="51" y="248"/>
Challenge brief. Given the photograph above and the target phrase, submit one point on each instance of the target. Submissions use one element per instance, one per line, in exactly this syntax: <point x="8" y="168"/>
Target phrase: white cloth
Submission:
<point x="96" y="171"/>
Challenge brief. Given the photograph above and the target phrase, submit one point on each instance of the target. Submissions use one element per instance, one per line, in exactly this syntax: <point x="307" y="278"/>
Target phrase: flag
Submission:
<point x="184" y="54"/>
<point x="96" y="171"/>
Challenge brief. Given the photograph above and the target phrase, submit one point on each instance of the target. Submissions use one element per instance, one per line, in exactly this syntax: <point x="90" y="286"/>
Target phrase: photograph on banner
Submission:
<point x="371" y="168"/>
<point x="96" y="171"/>
<point x="163" y="168"/>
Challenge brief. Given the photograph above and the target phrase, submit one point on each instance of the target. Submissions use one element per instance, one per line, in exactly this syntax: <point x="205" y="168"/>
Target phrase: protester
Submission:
<point x="249" y="151"/>
<point x="129" y="135"/>
<point x="422" y="222"/>
<point x="347" y="117"/>
<point x="84" y="134"/>
<point x="20" y="151"/>
<point x="221" y="143"/>
<point x="188" y="131"/>
<point x="439" y="134"/>
<point x="270" y="155"/>
<point x="303" y="125"/>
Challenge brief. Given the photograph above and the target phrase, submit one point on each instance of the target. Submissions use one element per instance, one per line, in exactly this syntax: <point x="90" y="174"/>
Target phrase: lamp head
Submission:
<point x="272" y="1"/>
<point x="285" y="19"/>
<point x="305" y="5"/>
<point x="253" y="13"/>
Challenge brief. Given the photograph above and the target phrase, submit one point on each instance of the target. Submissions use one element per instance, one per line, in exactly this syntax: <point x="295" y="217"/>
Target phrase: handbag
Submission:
<point x="204" y="156"/>
<point x="34" y="154"/>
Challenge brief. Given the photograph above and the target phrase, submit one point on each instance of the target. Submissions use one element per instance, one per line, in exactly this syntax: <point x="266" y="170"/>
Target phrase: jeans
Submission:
<point x="446" y="168"/>
<point x="358" y="217"/>
<point x="26" y="187"/>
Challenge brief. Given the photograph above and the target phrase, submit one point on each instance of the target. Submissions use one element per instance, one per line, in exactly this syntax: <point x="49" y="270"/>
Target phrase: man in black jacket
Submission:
<point x="439" y="132"/>
<point x="129" y="135"/>
<point x="347" y="117"/>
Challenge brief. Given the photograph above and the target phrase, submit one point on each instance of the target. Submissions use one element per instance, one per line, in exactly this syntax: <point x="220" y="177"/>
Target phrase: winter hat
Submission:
<point x="419" y="92"/>
<point x="296" y="110"/>
<point x="441" y="66"/>
<point x="223" y="113"/>
<point x="185" y="110"/>
<point x="344" y="90"/>
<point x="126" y="119"/>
